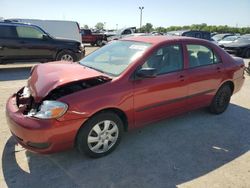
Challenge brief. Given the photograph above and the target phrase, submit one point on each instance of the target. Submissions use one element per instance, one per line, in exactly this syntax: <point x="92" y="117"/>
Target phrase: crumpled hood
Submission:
<point x="48" y="76"/>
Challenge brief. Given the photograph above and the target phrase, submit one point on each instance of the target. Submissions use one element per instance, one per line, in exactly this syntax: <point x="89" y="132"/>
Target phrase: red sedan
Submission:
<point x="123" y="85"/>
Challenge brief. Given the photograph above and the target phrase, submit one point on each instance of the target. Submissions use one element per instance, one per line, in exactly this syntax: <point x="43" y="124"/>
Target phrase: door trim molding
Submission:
<point x="174" y="100"/>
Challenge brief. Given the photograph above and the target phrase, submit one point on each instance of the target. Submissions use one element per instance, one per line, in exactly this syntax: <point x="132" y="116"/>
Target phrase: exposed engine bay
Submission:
<point x="75" y="86"/>
<point x="26" y="102"/>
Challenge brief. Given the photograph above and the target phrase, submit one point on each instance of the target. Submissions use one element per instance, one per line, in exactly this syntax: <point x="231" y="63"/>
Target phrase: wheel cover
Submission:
<point x="103" y="136"/>
<point x="67" y="57"/>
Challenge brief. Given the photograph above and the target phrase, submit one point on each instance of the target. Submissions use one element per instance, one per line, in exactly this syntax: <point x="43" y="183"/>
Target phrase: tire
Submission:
<point x="99" y="42"/>
<point x="221" y="100"/>
<point x="95" y="140"/>
<point x="247" y="53"/>
<point x="66" y="55"/>
<point x="92" y="44"/>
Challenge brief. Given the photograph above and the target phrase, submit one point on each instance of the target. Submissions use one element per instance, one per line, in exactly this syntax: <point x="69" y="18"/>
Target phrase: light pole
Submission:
<point x="141" y="8"/>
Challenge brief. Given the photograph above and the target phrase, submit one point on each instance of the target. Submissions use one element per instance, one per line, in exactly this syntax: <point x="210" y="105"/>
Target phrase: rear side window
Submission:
<point x="29" y="32"/>
<point x="7" y="32"/>
<point x="199" y="55"/>
<point x="198" y="35"/>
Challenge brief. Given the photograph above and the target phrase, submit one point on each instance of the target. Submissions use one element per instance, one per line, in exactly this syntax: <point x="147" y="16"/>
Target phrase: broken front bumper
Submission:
<point x="42" y="136"/>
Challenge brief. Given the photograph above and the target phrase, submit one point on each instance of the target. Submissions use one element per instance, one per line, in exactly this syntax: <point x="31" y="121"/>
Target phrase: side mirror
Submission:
<point x="146" y="73"/>
<point x="45" y="37"/>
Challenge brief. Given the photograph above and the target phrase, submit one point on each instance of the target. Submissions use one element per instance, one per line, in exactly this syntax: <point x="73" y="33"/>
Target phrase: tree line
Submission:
<point x="148" y="27"/>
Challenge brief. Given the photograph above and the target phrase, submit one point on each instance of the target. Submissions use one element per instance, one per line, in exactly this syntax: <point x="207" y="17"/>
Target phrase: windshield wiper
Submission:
<point x="98" y="70"/>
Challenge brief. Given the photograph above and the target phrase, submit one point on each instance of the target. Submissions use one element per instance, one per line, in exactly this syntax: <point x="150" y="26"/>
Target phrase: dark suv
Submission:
<point x="193" y="33"/>
<point x="24" y="42"/>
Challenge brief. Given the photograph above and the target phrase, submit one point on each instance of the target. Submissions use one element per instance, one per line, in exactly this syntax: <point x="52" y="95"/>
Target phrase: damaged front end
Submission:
<point x="49" y="107"/>
<point x="73" y="87"/>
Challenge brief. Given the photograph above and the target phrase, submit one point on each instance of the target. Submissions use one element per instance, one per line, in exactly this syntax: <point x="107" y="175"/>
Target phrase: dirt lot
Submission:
<point x="196" y="149"/>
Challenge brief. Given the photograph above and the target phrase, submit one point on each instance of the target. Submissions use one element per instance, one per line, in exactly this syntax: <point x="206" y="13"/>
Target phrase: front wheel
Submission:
<point x="221" y="100"/>
<point x="100" y="135"/>
<point x="99" y="42"/>
<point x="66" y="55"/>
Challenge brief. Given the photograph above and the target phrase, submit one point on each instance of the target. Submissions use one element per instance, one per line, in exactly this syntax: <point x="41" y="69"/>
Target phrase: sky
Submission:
<point x="117" y="13"/>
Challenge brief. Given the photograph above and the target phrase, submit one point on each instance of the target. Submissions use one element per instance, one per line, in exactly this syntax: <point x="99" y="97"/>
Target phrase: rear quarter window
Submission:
<point x="7" y="32"/>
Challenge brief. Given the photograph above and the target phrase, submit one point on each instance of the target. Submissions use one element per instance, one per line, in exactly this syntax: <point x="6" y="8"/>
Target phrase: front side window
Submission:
<point x="166" y="59"/>
<point x="199" y="55"/>
<point x="126" y="32"/>
<point x="29" y="32"/>
<point x="189" y="34"/>
<point x="115" y="57"/>
<point x="206" y="36"/>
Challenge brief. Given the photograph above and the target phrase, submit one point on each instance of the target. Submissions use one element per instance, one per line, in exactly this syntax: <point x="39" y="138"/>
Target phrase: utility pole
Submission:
<point x="141" y="8"/>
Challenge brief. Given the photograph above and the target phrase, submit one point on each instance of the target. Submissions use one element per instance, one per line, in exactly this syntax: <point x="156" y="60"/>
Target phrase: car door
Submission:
<point x="8" y="42"/>
<point x="165" y="94"/>
<point x="205" y="74"/>
<point x="87" y="36"/>
<point x="33" y="44"/>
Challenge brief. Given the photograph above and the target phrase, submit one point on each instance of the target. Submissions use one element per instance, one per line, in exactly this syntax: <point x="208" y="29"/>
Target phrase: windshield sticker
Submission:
<point x="138" y="47"/>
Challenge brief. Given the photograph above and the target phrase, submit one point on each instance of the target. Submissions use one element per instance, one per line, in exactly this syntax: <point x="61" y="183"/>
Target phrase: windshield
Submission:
<point x="115" y="57"/>
<point x="230" y="38"/>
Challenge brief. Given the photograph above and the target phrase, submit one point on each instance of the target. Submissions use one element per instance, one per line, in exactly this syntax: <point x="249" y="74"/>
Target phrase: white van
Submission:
<point x="56" y="28"/>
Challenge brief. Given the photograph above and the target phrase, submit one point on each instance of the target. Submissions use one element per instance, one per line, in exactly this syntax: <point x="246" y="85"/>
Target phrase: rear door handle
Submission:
<point x="218" y="69"/>
<point x="182" y="77"/>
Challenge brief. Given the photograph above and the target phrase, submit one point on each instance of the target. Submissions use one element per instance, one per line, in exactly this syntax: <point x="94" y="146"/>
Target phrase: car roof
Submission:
<point x="180" y="32"/>
<point x="16" y="24"/>
<point x="160" y="39"/>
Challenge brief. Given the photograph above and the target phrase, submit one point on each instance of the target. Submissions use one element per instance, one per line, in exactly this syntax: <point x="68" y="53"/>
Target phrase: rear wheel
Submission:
<point x="66" y="55"/>
<point x="221" y="100"/>
<point x="100" y="135"/>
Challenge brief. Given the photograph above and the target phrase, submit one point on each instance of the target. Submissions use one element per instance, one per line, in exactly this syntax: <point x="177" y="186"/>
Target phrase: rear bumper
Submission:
<point x="238" y="83"/>
<point x="42" y="136"/>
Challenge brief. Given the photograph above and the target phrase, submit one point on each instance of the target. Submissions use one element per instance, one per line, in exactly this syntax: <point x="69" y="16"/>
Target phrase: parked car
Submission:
<point x="24" y="42"/>
<point x="93" y="38"/>
<point x="221" y="36"/>
<point x="124" y="32"/>
<point x="60" y="29"/>
<point x="240" y="47"/>
<point x="228" y="40"/>
<point x="192" y="33"/>
<point x="124" y="85"/>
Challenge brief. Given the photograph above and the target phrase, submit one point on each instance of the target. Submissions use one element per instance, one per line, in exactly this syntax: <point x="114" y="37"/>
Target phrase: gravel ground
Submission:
<point x="196" y="149"/>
